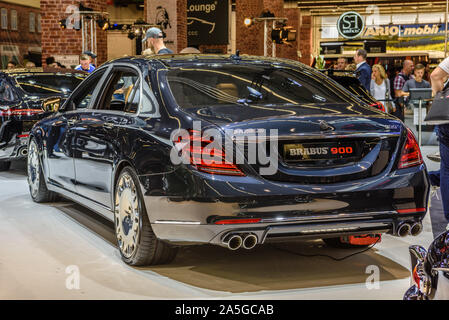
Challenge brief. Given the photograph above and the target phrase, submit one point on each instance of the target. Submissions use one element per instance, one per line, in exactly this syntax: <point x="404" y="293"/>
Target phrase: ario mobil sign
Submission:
<point x="207" y="22"/>
<point x="350" y="25"/>
<point x="412" y="30"/>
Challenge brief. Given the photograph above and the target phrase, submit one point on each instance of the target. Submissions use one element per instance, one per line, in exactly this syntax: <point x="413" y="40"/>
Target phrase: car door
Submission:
<point x="60" y="138"/>
<point x="96" y="135"/>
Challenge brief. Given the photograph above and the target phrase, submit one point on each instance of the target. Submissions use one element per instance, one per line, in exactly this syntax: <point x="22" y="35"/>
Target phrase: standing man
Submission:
<point x="154" y="39"/>
<point x="342" y="63"/>
<point x="363" y="69"/>
<point x="438" y="77"/>
<point x="398" y="85"/>
<point x="85" y="64"/>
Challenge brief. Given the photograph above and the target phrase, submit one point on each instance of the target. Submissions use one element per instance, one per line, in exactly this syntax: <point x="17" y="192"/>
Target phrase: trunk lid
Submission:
<point x="317" y="144"/>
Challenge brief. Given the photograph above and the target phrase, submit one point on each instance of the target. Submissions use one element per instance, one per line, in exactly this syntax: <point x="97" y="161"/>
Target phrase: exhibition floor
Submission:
<point x="42" y="245"/>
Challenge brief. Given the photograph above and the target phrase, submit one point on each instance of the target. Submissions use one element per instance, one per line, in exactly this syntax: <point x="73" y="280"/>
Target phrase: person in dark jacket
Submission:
<point x="363" y="69"/>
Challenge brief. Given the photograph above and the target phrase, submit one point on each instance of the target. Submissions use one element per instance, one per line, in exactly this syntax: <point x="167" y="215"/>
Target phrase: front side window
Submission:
<point x="122" y="93"/>
<point x="230" y="84"/>
<point x="81" y="98"/>
<point x="4" y="13"/>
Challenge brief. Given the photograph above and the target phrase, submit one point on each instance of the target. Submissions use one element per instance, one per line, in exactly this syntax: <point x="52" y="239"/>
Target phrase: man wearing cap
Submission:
<point x="154" y="38"/>
<point x="92" y="57"/>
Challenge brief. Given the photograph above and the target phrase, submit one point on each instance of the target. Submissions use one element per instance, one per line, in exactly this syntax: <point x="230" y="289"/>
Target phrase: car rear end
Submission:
<point x="36" y="94"/>
<point x="342" y="169"/>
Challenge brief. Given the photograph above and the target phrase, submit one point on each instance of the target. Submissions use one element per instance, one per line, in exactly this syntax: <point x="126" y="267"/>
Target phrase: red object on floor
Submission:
<point x="362" y="240"/>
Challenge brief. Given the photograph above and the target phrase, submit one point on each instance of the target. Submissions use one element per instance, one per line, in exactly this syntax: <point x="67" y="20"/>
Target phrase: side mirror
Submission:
<point x="51" y="104"/>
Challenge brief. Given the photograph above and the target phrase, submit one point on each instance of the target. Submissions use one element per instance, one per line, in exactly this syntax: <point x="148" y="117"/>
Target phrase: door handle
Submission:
<point x="71" y="121"/>
<point x="108" y="125"/>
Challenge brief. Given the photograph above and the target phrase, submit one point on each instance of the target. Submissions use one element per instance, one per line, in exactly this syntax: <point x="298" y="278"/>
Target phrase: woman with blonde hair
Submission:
<point x="380" y="88"/>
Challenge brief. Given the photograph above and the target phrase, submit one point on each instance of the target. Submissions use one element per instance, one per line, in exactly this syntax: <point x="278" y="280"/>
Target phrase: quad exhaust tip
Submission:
<point x="23" y="152"/>
<point x="403" y="230"/>
<point x="416" y="229"/>
<point x="249" y="241"/>
<point x="235" y="241"/>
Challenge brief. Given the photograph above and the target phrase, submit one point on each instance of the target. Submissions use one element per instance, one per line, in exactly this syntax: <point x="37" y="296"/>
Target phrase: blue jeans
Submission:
<point x="443" y="137"/>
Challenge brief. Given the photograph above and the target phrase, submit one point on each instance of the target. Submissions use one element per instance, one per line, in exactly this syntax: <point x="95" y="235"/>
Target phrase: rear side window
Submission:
<point x="254" y="84"/>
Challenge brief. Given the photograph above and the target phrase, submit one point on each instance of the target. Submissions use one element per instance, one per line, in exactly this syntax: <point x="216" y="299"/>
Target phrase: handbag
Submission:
<point x="388" y="103"/>
<point x="439" y="112"/>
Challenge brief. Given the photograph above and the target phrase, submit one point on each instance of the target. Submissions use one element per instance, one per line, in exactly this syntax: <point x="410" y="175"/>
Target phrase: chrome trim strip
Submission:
<point x="176" y="222"/>
<point x="85" y="202"/>
<point x="329" y="217"/>
<point x="308" y="136"/>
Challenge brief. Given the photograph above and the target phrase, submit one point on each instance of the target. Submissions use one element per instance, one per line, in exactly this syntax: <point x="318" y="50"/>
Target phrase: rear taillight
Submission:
<point x="209" y="159"/>
<point x="410" y="155"/>
<point x="238" y="221"/>
<point x="414" y="210"/>
<point x="378" y="105"/>
<point x="19" y="112"/>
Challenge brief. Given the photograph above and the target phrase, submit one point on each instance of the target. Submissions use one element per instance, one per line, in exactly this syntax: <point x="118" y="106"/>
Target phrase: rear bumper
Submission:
<point x="285" y="210"/>
<point x="185" y="233"/>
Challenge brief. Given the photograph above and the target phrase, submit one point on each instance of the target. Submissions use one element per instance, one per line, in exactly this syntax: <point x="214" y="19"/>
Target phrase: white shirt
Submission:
<point x="379" y="91"/>
<point x="359" y="64"/>
<point x="445" y="65"/>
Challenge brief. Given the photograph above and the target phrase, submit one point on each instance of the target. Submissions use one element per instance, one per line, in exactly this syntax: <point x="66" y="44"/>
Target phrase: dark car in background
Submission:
<point x="342" y="170"/>
<point x="350" y="82"/>
<point x="27" y="95"/>
<point x="430" y="270"/>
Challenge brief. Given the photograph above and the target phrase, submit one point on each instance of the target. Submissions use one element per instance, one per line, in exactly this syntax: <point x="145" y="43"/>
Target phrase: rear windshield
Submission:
<point x="250" y="84"/>
<point x="49" y="84"/>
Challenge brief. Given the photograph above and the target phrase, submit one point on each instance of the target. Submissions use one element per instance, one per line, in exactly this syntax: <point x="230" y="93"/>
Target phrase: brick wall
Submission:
<point x="305" y="38"/>
<point x="57" y="41"/>
<point x="290" y="51"/>
<point x="181" y="17"/>
<point x="250" y="40"/>
<point x="22" y="37"/>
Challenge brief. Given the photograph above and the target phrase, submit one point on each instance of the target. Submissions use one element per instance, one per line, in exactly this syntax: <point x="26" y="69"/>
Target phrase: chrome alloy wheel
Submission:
<point x="33" y="168"/>
<point x="127" y="215"/>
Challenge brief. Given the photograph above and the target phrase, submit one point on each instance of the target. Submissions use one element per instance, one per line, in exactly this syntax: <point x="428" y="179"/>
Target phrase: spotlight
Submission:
<point x="103" y="24"/>
<point x="62" y="24"/>
<point x="283" y="35"/>
<point x="137" y="32"/>
<point x="248" y="22"/>
<point x="267" y="14"/>
<point x="131" y="35"/>
<point x="84" y="9"/>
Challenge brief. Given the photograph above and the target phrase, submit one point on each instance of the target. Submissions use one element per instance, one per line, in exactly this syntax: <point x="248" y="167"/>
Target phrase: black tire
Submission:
<point x="41" y="193"/>
<point x="148" y="249"/>
<point x="337" y="243"/>
<point x="5" y="165"/>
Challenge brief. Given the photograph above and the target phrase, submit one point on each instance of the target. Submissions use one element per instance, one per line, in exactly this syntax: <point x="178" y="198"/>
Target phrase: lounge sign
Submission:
<point x="207" y="22"/>
<point x="350" y="25"/>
